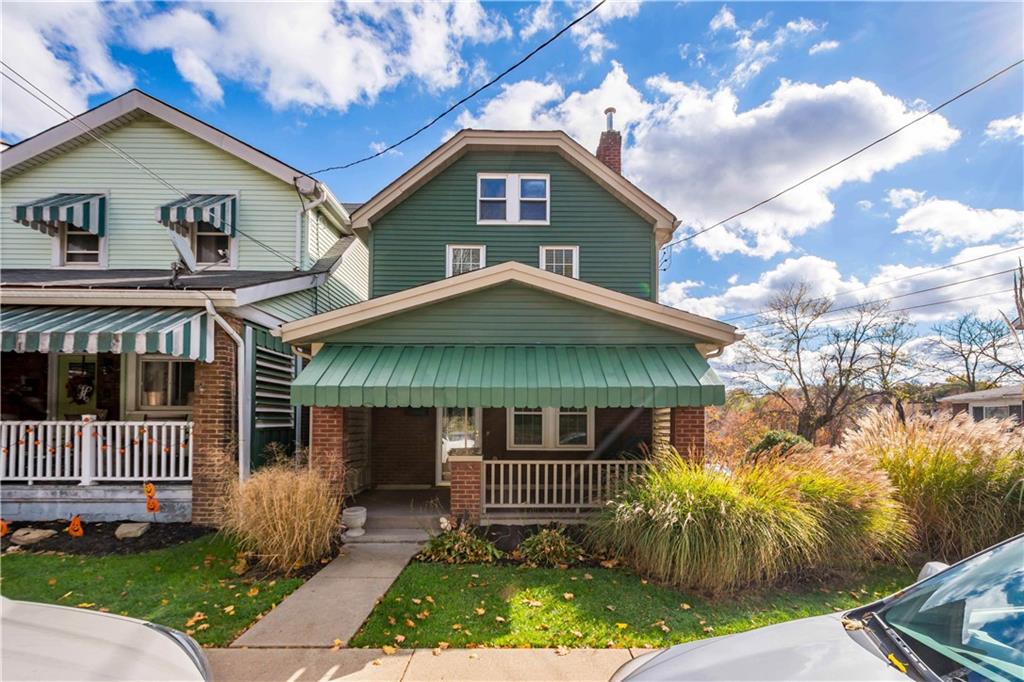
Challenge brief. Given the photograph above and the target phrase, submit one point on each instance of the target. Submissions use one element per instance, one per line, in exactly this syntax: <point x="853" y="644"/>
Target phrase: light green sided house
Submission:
<point x="114" y="369"/>
<point x="512" y="347"/>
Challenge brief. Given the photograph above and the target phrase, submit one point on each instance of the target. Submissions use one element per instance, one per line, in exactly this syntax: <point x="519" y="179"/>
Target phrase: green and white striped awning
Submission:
<point x="84" y="211"/>
<point x="181" y="332"/>
<point x="507" y="376"/>
<point x="218" y="210"/>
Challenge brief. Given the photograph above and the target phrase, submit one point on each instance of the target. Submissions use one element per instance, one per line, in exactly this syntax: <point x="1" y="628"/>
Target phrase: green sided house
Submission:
<point x="116" y="367"/>
<point x="512" y="347"/>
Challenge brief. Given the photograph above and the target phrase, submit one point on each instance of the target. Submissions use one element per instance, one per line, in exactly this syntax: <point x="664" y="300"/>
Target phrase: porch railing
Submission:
<point x="563" y="486"/>
<point x="94" y="452"/>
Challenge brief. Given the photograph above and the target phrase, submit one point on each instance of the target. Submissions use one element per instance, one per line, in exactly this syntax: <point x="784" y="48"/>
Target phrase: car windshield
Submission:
<point x="967" y="623"/>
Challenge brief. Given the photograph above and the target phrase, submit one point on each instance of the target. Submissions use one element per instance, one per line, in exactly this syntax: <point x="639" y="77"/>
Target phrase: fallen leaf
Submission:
<point x="63" y="596"/>
<point x="587" y="576"/>
<point x="479" y="611"/>
<point x="609" y="563"/>
<point x="643" y="581"/>
<point x="391" y="620"/>
<point x="708" y="628"/>
<point x="376" y="662"/>
<point x="543" y="626"/>
<point x="568" y="596"/>
<point x="202" y="626"/>
<point x="430" y="599"/>
<point x="665" y="628"/>
<point x="499" y="619"/>
<point x="622" y="626"/>
<point x="85" y="605"/>
<point x="416" y="601"/>
<point x="388" y="650"/>
<point x="51" y="582"/>
<point x="399" y="639"/>
<point x="337" y="644"/>
<point x="474" y="655"/>
<point x="196" y="617"/>
<point x="165" y="602"/>
<point x="577" y="634"/>
<point x="456" y="626"/>
<point x="229" y="609"/>
<point x="437" y="651"/>
<point x="533" y="603"/>
<point x="253" y="591"/>
<point x="422" y="615"/>
<point x="684" y="606"/>
<point x="562" y="650"/>
<point x="443" y="645"/>
<point x="609" y="607"/>
<point x="409" y="623"/>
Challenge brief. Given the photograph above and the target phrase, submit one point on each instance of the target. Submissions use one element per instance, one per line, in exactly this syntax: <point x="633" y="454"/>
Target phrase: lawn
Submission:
<point x="168" y="586"/>
<point x="512" y="606"/>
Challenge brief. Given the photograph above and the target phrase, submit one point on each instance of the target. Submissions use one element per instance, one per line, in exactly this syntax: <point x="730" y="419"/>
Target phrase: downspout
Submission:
<point x="302" y="210"/>
<point x="243" y="432"/>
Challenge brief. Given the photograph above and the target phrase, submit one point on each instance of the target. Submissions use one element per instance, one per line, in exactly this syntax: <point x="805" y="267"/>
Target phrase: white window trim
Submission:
<point x="549" y="430"/>
<point x="512" y="198"/>
<point x="58" y="253"/>
<point x="134" y="386"/>
<point x="232" y="261"/>
<point x="555" y="247"/>
<point x="449" y="261"/>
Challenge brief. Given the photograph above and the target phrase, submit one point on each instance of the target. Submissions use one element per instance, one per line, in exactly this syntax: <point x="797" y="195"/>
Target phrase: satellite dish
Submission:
<point x="184" y="248"/>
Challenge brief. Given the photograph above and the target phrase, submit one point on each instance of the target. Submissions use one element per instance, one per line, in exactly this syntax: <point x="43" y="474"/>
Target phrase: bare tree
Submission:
<point x="818" y="368"/>
<point x="975" y="351"/>
<point x="895" y="372"/>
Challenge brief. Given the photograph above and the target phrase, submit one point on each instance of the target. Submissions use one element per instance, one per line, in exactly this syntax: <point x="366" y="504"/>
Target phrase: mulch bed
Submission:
<point x="99" y="538"/>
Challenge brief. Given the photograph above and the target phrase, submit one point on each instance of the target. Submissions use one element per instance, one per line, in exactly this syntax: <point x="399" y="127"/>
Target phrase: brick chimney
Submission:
<point x="609" y="149"/>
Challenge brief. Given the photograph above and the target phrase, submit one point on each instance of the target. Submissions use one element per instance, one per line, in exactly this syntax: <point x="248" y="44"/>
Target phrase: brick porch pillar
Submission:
<point x="466" y="476"/>
<point x="686" y="431"/>
<point x="215" y="426"/>
<point x="327" y="445"/>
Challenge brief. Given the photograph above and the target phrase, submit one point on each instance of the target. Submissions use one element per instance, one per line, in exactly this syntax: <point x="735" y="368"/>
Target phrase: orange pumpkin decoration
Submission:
<point x="75" y="529"/>
<point x="28" y="429"/>
<point x="35" y="442"/>
<point x="4" y="530"/>
<point x="152" y="504"/>
<point x="149" y="489"/>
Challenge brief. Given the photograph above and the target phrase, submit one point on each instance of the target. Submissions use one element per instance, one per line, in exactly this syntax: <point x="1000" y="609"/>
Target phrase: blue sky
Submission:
<point x="721" y="106"/>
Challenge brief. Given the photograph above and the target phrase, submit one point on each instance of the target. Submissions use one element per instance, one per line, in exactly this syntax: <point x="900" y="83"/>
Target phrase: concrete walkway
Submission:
<point x="478" y="665"/>
<point x="334" y="603"/>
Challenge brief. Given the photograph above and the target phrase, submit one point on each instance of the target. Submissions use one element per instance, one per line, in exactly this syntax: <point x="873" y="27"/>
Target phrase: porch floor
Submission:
<point x="402" y="515"/>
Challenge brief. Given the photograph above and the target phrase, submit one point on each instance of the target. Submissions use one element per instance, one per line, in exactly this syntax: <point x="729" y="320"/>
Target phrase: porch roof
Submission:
<point x="181" y="332"/>
<point x="507" y="376"/>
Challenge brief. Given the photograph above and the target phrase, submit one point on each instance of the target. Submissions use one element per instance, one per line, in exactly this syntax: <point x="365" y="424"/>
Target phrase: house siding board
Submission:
<point x="616" y="244"/>
<point x="267" y="207"/>
<point x="509" y="314"/>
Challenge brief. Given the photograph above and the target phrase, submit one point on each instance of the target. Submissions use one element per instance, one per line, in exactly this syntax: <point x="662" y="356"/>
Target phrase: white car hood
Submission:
<point x="816" y="648"/>
<point x="45" y="642"/>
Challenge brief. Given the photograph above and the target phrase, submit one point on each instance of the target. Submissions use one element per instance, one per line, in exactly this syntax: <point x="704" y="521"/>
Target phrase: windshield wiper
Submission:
<point x="900" y="647"/>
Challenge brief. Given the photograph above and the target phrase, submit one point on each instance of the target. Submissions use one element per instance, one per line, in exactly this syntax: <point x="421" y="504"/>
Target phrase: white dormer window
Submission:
<point x="513" y="199"/>
<point x="462" y="258"/>
<point x="210" y="245"/>
<point x="561" y="260"/>
<point x="79" y="247"/>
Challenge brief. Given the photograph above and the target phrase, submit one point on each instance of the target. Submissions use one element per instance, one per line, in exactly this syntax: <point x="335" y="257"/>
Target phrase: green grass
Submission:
<point x="166" y="586"/>
<point x="528" y="607"/>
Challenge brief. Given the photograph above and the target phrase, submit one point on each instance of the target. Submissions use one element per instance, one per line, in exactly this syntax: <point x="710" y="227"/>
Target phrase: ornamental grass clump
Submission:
<point x="714" y="528"/>
<point x="549" y="547"/>
<point x="287" y="516"/>
<point x="961" y="481"/>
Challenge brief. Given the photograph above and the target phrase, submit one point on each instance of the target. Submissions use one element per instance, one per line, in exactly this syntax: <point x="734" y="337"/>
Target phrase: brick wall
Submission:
<point x="327" y="445"/>
<point x="214" y="433"/>
<point x="609" y="150"/>
<point x="403" y="446"/>
<point x="615" y="429"/>
<point x="357" y="449"/>
<point x="465" y="492"/>
<point x="687" y="431"/>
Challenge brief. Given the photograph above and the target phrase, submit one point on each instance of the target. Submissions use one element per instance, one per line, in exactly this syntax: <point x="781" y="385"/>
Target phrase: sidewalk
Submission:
<point x="477" y="665"/>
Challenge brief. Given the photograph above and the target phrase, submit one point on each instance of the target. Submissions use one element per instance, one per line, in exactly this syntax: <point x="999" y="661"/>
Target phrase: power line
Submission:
<point x="847" y="157"/>
<point x="468" y="97"/>
<point x="890" y="281"/>
<point x="71" y="118"/>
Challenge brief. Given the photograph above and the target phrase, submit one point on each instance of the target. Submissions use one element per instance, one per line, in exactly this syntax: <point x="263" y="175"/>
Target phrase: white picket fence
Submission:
<point x="93" y="452"/>
<point x="553" y="486"/>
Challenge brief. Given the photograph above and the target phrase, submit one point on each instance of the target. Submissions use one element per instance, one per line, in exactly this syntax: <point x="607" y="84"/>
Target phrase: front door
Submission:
<point x="458" y="428"/>
<point x="77" y="377"/>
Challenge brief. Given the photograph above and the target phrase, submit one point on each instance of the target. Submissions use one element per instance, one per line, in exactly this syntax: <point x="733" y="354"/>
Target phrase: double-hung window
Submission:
<point x="79" y="247"/>
<point x="561" y="260"/>
<point x="165" y="382"/>
<point x="513" y="198"/>
<point x="550" y="428"/>
<point x="210" y="245"/>
<point x="462" y="258"/>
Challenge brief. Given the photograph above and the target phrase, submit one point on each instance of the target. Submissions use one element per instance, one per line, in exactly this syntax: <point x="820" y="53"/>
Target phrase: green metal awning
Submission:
<point x="507" y="376"/>
<point x="84" y="211"/>
<point x="217" y="210"/>
<point x="181" y="332"/>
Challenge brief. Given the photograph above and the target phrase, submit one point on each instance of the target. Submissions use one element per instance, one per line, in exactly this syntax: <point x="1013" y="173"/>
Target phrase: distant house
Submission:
<point x="174" y="374"/>
<point x="1000" y="403"/>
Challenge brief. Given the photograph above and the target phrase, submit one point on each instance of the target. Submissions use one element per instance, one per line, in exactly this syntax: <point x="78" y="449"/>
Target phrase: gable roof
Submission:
<point x="706" y="330"/>
<point x="663" y="221"/>
<point x="1009" y="393"/>
<point x="133" y="104"/>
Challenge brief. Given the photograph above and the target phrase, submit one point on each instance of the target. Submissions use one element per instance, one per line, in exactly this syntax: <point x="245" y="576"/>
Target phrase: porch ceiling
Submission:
<point x="507" y="376"/>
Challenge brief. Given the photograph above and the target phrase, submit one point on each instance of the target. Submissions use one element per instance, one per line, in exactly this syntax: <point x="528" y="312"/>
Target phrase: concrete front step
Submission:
<point x="418" y="536"/>
<point x="383" y="521"/>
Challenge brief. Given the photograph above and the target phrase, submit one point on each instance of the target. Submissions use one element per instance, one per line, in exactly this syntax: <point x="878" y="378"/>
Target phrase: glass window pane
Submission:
<point x="154" y="384"/>
<point x="528" y="428"/>
<point x="572" y="428"/>
<point x="465" y="260"/>
<point x="183" y="384"/>
<point x="209" y="248"/>
<point x="559" y="261"/>
<point x="533" y="210"/>
<point x="492" y="210"/>
<point x="492" y="188"/>
<point x="82" y="242"/>
<point x="82" y="258"/>
<point x="533" y="189"/>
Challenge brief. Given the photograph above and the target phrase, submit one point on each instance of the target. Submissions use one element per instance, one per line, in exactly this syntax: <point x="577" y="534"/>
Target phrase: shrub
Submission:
<point x="459" y="545"/>
<point x="714" y="528"/>
<point x="961" y="481"/>
<point x="776" y="442"/>
<point x="549" y="547"/>
<point x="287" y="517"/>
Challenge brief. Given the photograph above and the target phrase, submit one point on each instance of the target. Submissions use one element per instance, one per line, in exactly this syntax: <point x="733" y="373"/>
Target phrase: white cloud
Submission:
<point x="536" y="18"/>
<point x="589" y="35"/>
<point x="1005" y="128"/>
<point x="903" y="198"/>
<point x="942" y="223"/>
<point x="864" y="205"/>
<point x="755" y="54"/>
<point x="823" y="46"/>
<point x="63" y="49"/>
<point x="725" y="19"/>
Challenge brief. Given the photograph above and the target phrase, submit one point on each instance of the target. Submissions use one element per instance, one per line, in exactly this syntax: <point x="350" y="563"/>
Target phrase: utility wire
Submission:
<point x="68" y="116"/>
<point x="468" y="97"/>
<point x="847" y="157"/>
<point x="889" y="281"/>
